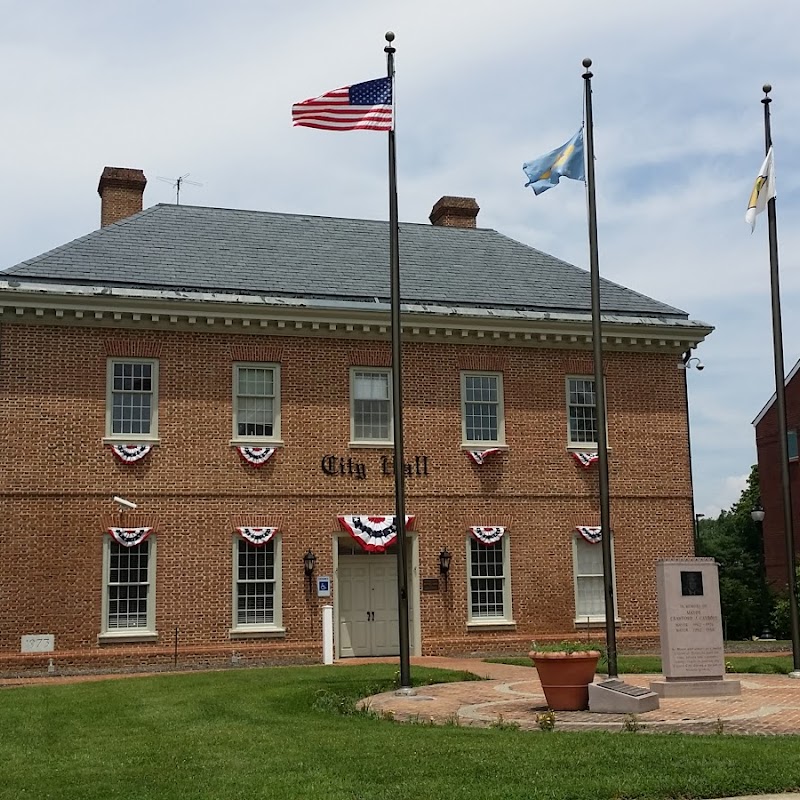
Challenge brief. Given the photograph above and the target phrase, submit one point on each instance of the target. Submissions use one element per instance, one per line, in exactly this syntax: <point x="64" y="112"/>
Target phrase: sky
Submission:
<point x="204" y="89"/>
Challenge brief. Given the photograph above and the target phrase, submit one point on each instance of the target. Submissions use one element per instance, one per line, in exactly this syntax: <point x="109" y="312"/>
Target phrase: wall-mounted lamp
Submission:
<point x="757" y="513"/>
<point x="309" y="562"/>
<point x="445" y="557"/>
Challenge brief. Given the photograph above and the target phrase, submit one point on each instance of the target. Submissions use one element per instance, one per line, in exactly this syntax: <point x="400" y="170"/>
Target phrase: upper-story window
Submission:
<point x="256" y="402"/>
<point x="482" y="416"/>
<point x="132" y="399"/>
<point x="370" y="406"/>
<point x="581" y="412"/>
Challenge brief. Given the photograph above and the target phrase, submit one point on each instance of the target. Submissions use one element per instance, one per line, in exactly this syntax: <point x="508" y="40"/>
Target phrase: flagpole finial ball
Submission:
<point x="587" y="62"/>
<point x="389" y="36"/>
<point x="767" y="88"/>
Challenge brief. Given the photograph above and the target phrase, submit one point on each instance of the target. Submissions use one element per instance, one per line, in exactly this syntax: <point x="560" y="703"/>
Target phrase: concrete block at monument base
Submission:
<point x="701" y="688"/>
<point x="614" y="696"/>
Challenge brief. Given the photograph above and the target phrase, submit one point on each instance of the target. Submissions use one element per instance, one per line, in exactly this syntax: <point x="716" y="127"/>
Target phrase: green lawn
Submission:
<point x="261" y="733"/>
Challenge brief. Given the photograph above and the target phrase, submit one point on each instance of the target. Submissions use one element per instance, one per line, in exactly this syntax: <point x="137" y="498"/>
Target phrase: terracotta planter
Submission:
<point x="566" y="677"/>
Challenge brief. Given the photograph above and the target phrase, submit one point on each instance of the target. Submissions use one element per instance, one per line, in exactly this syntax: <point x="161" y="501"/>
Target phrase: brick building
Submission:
<point x="770" y="481"/>
<point x="156" y="358"/>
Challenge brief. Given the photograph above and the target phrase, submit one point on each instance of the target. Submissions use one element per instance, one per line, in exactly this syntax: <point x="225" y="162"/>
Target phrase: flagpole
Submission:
<point x="397" y="394"/>
<point x="599" y="385"/>
<point x="780" y="398"/>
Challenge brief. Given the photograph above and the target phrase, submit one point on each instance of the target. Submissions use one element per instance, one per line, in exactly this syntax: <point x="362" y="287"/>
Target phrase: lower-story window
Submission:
<point x="257" y="602"/>
<point x="589" y="585"/>
<point x="489" y="598"/>
<point x="128" y="587"/>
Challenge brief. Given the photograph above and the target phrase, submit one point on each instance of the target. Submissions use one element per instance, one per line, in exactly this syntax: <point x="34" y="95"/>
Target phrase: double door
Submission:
<point x="368" y="617"/>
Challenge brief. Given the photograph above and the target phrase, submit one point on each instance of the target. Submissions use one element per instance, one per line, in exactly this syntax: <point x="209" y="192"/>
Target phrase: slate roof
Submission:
<point x="294" y="255"/>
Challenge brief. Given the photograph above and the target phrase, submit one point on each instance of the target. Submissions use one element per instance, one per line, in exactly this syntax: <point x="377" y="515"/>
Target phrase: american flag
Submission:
<point x="362" y="106"/>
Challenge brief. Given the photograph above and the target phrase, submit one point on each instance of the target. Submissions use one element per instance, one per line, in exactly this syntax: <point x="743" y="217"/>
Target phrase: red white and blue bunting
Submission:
<point x="487" y="534"/>
<point x="128" y="453"/>
<point x="256" y="536"/>
<point x="591" y="534"/>
<point x="585" y="459"/>
<point x="374" y="534"/>
<point x="256" y="456"/>
<point x="129" y="537"/>
<point x="480" y="456"/>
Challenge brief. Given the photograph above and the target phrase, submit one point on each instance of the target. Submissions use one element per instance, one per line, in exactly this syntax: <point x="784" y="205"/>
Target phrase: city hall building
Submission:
<point x="196" y="441"/>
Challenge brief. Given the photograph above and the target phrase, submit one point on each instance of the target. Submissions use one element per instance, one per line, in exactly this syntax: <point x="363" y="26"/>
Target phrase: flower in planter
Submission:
<point x="566" y="646"/>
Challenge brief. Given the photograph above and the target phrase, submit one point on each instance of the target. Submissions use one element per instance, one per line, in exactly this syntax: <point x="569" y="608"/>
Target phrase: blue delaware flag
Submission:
<point x="563" y="162"/>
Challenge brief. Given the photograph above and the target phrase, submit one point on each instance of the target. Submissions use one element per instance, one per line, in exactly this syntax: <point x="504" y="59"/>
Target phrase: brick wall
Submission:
<point x="57" y="480"/>
<point x="771" y="483"/>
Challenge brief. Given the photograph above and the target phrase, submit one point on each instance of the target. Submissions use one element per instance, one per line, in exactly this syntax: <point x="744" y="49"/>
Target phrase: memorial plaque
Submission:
<point x="690" y="619"/>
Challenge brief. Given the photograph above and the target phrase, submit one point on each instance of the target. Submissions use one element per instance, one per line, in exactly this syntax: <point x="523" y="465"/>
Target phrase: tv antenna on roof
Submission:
<point x="177" y="183"/>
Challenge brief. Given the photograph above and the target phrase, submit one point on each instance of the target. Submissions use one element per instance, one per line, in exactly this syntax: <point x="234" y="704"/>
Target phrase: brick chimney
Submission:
<point x="455" y="212"/>
<point x="121" y="191"/>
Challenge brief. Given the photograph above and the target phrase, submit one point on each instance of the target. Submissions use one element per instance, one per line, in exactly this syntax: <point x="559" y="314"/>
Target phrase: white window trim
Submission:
<point x="370" y="442"/>
<point x="501" y="414"/>
<point x="121" y="635"/>
<point x="257" y="631"/>
<point x="592" y="619"/>
<point x="275" y="439"/>
<point x="491" y="623"/>
<point x="127" y="438"/>
<point x="580" y="446"/>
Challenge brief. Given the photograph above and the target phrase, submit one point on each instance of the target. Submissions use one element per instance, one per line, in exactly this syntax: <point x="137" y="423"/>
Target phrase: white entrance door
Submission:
<point x="368" y="618"/>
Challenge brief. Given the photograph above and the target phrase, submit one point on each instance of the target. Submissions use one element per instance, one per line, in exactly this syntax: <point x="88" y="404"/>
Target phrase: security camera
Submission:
<point x="125" y="503"/>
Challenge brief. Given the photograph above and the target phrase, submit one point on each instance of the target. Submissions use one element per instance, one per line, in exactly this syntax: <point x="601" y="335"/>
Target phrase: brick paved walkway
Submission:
<point x="768" y="704"/>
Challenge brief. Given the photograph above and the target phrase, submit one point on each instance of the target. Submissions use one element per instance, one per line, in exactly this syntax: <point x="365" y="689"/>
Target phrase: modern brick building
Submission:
<point x="770" y="481"/>
<point x="150" y="359"/>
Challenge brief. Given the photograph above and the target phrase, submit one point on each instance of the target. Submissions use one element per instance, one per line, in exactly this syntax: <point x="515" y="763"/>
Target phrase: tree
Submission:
<point x="734" y="541"/>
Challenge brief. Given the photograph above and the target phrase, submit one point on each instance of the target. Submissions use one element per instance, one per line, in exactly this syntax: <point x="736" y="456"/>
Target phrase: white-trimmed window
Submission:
<point x="482" y="416"/>
<point x="581" y="412"/>
<point x="489" y="585"/>
<point x="370" y="405"/>
<point x="132" y="399"/>
<point x="257" y="586"/>
<point x="256" y="402"/>
<point x="129" y="589"/>
<point x="589" y="585"/>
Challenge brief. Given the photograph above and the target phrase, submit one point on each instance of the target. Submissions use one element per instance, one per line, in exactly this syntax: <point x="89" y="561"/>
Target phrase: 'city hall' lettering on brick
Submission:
<point x="352" y="467"/>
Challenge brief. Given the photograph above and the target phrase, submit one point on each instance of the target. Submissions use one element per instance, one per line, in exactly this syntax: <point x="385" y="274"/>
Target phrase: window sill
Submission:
<point x="257" y="632"/>
<point x="257" y="443"/>
<point x="129" y="636"/>
<point x="584" y="448"/>
<point x="382" y="445"/>
<point x="484" y="446"/>
<point x="493" y="625"/>
<point x="594" y="622"/>
<point x="151" y="440"/>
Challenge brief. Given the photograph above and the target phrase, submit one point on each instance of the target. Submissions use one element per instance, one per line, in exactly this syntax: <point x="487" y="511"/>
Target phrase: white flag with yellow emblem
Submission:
<point x="763" y="190"/>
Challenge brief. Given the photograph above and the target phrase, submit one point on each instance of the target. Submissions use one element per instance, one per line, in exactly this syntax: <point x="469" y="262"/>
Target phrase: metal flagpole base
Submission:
<point x="795" y="674"/>
<point x="407" y="691"/>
